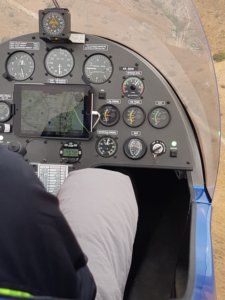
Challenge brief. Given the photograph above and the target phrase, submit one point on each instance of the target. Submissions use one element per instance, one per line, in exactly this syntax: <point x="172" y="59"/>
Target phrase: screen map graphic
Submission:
<point x="45" y="112"/>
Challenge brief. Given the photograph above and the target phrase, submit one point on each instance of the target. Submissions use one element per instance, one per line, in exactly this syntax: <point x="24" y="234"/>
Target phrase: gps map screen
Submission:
<point x="53" y="112"/>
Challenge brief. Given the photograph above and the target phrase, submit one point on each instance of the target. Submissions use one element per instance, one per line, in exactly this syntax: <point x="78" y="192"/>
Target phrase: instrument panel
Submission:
<point x="136" y="119"/>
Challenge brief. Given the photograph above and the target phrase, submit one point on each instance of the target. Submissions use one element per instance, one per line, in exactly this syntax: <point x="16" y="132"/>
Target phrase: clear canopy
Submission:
<point x="167" y="33"/>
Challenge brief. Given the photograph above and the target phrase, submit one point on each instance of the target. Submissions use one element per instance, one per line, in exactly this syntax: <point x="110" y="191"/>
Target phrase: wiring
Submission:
<point x="55" y="2"/>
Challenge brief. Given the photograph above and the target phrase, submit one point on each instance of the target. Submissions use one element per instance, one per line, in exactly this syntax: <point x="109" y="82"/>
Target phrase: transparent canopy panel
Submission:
<point x="167" y="33"/>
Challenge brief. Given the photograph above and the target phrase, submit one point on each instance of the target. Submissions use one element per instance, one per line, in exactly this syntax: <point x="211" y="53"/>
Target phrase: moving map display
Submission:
<point x="53" y="111"/>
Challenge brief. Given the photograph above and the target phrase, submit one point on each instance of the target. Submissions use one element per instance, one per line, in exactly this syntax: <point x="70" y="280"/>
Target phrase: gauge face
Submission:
<point x="135" y="148"/>
<point x="53" y="24"/>
<point x="134" y="116"/>
<point x="20" y="66"/>
<point x="59" y="62"/>
<point x="133" y="87"/>
<point x="98" y="68"/>
<point x="109" y="115"/>
<point x="5" y="111"/>
<point x="159" y="117"/>
<point x="106" y="146"/>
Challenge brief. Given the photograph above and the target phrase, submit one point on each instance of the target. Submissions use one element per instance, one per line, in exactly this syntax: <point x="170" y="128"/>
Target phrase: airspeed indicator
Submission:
<point x="59" y="62"/>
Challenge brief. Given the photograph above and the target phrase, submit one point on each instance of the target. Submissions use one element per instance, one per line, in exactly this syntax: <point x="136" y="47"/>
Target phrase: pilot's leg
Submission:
<point x="101" y="209"/>
<point x="38" y="252"/>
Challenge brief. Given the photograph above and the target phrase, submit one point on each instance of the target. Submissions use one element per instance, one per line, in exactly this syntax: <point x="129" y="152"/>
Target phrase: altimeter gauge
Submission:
<point x="98" y="68"/>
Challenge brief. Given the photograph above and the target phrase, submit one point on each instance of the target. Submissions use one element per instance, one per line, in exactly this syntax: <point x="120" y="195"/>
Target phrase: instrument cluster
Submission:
<point x="138" y="118"/>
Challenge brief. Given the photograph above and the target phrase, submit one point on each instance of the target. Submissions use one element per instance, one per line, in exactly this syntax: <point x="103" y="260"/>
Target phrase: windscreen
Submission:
<point x="167" y="33"/>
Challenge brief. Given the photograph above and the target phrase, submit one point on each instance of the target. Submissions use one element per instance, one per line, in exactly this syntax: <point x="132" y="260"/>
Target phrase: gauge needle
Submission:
<point x="22" y="72"/>
<point x="131" y="117"/>
<point x="59" y="69"/>
<point x="106" y="115"/>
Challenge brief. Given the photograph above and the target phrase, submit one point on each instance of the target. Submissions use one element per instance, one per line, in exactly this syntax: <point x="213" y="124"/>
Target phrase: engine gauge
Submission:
<point x="159" y="117"/>
<point x="59" y="62"/>
<point x="106" y="146"/>
<point x="135" y="148"/>
<point x="98" y="68"/>
<point x="133" y="87"/>
<point x="134" y="116"/>
<point x="5" y="111"/>
<point x="53" y="23"/>
<point x="109" y="115"/>
<point x="20" y="65"/>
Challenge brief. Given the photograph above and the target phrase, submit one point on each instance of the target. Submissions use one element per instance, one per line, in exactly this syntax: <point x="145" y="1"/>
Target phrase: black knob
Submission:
<point x="14" y="146"/>
<point x="157" y="148"/>
<point x="17" y="147"/>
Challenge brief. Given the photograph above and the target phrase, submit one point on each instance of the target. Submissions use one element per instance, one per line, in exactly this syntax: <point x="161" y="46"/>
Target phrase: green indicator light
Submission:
<point x="174" y="144"/>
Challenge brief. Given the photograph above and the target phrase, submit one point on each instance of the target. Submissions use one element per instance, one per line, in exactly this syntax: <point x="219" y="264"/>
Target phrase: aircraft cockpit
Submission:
<point x="128" y="99"/>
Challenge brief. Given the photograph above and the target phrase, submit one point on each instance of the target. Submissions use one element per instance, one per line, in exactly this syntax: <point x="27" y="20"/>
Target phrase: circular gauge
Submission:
<point x="20" y="65"/>
<point x="53" y="24"/>
<point x="5" y="111"/>
<point x="98" y="68"/>
<point x="134" y="116"/>
<point x="159" y="117"/>
<point x="59" y="62"/>
<point x="135" y="148"/>
<point x="109" y="115"/>
<point x="106" y="146"/>
<point x="133" y="87"/>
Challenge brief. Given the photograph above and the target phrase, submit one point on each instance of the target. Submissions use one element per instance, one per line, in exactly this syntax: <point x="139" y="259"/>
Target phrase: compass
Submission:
<point x="54" y="23"/>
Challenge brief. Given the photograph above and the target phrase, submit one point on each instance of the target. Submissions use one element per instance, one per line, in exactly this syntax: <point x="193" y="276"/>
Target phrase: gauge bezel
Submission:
<point x="98" y="141"/>
<point x="47" y="54"/>
<point x="7" y="62"/>
<point x="117" y="119"/>
<point x="134" y="96"/>
<point x="143" y="120"/>
<point x="155" y="108"/>
<point x="10" y="111"/>
<point x="84" y="73"/>
<point x="125" y="147"/>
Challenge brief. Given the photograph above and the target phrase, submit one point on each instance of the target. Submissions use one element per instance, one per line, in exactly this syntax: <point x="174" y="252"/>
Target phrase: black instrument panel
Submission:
<point x="141" y="120"/>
